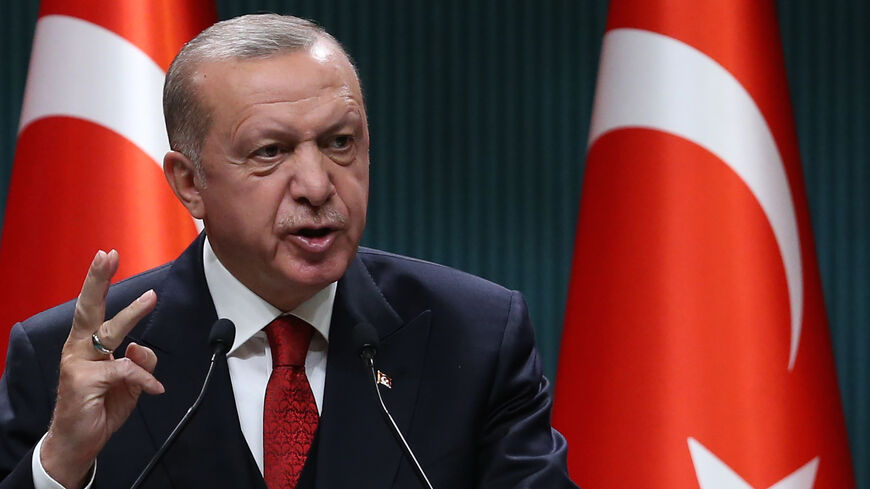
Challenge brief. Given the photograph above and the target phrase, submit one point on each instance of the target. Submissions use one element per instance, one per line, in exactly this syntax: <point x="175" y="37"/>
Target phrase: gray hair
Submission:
<point x="249" y="36"/>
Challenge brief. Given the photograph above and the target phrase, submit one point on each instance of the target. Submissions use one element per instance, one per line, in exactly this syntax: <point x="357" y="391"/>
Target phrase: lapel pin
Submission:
<point x="385" y="380"/>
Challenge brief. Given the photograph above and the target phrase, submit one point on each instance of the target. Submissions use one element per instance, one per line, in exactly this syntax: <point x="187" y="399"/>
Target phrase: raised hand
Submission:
<point x="96" y="391"/>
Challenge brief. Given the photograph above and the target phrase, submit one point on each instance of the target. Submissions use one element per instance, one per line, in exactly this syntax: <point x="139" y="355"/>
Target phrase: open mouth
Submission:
<point x="313" y="232"/>
<point x="314" y="240"/>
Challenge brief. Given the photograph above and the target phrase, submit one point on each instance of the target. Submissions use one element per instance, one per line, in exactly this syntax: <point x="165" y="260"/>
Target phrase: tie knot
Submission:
<point x="288" y="338"/>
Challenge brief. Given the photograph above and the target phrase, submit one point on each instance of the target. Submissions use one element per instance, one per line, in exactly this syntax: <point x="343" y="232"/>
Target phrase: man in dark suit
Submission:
<point x="270" y="149"/>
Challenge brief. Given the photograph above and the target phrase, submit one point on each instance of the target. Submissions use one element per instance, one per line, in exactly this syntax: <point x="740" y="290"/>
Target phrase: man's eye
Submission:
<point x="343" y="141"/>
<point x="269" y="151"/>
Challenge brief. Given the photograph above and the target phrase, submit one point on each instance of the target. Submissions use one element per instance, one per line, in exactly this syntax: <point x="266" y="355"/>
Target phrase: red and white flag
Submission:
<point x="696" y="351"/>
<point x="87" y="171"/>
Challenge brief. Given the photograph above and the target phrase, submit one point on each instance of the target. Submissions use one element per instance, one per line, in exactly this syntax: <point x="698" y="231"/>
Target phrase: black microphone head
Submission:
<point x="365" y="336"/>
<point x="223" y="333"/>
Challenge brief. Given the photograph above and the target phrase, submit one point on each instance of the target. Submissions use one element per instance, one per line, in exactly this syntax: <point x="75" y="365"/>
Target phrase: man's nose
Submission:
<point x="311" y="181"/>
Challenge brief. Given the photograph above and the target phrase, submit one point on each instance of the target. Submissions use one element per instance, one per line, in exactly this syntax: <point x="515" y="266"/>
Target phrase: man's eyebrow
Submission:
<point x="351" y="117"/>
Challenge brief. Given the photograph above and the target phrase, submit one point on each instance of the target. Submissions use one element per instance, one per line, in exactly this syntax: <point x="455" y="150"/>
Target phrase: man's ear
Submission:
<point x="182" y="177"/>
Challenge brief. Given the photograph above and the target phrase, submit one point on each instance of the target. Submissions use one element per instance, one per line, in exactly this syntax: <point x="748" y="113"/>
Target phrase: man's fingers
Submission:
<point x="91" y="305"/>
<point x="113" y="331"/>
<point x="142" y="356"/>
<point x="127" y="371"/>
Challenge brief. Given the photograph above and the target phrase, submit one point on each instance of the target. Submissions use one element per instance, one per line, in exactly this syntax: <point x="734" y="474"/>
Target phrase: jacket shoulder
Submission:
<point x="405" y="270"/>
<point x="411" y="285"/>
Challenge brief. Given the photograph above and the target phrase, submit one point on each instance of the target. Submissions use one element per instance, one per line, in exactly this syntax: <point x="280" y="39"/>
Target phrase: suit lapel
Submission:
<point x="356" y="446"/>
<point x="178" y="332"/>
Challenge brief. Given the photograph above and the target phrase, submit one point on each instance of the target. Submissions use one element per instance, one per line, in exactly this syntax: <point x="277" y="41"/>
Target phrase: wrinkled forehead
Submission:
<point x="302" y="89"/>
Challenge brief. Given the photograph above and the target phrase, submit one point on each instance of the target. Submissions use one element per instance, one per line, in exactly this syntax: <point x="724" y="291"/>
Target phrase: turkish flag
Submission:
<point x="87" y="171"/>
<point x="695" y="352"/>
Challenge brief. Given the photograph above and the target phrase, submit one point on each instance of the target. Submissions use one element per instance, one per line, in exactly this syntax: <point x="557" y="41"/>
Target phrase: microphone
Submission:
<point x="220" y="339"/>
<point x="365" y="335"/>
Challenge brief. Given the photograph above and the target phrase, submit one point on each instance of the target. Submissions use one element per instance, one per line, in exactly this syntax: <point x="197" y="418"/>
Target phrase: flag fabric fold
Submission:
<point x="695" y="352"/>
<point x="87" y="170"/>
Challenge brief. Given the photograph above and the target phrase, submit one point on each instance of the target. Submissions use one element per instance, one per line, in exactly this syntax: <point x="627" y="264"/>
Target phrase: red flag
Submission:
<point x="87" y="170"/>
<point x="696" y="352"/>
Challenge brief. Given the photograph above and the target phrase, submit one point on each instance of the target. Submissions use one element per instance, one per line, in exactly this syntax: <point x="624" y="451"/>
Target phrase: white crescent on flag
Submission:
<point x="82" y="70"/>
<point x="653" y="81"/>
<point x="87" y="172"/>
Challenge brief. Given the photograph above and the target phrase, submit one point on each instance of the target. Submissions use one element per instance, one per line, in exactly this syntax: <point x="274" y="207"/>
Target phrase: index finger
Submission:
<point x="91" y="303"/>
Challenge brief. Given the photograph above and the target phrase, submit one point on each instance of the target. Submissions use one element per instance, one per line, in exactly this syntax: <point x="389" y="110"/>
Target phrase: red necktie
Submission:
<point x="290" y="414"/>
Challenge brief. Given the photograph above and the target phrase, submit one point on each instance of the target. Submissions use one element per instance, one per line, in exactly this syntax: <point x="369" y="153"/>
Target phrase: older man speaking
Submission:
<point x="270" y="143"/>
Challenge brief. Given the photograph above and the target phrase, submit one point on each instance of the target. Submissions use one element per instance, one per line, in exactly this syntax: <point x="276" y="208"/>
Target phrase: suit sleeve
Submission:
<point x="25" y="411"/>
<point x="519" y="448"/>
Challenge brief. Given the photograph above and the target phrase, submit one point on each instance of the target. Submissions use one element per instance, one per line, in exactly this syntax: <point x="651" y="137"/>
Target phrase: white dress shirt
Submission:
<point x="250" y="358"/>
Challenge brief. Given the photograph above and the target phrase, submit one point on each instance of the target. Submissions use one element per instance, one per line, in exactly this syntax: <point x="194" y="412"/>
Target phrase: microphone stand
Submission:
<point x="179" y="427"/>
<point x="221" y="337"/>
<point x="368" y="358"/>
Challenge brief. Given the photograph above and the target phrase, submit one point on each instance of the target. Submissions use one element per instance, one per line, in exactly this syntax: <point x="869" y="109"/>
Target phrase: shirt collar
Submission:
<point x="250" y="312"/>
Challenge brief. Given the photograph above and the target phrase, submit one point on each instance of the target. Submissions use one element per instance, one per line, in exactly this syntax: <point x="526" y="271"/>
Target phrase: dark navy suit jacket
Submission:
<point x="467" y="388"/>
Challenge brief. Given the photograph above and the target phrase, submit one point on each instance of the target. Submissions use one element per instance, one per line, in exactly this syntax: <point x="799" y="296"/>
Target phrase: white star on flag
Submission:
<point x="713" y="473"/>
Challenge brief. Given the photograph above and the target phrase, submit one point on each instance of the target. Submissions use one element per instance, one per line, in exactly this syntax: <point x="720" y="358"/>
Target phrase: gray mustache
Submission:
<point x="320" y="216"/>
